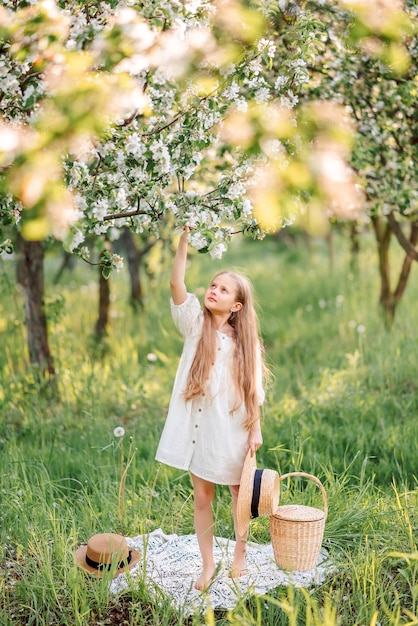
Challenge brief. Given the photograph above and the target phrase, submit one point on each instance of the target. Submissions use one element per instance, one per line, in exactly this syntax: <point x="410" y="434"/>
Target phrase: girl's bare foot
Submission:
<point x="206" y="578"/>
<point x="239" y="568"/>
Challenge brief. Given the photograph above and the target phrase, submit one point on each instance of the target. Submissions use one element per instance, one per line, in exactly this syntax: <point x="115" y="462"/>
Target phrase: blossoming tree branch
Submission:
<point x="143" y="116"/>
<point x="124" y="114"/>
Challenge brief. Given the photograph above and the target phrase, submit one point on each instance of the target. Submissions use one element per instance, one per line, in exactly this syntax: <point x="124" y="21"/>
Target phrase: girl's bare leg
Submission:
<point x="204" y="493"/>
<point x="239" y="565"/>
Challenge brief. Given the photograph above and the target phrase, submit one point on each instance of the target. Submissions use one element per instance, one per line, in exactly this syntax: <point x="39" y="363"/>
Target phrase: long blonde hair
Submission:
<point x="247" y="357"/>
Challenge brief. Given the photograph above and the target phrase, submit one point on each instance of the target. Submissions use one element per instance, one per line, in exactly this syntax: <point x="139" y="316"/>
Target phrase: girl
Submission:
<point x="214" y="417"/>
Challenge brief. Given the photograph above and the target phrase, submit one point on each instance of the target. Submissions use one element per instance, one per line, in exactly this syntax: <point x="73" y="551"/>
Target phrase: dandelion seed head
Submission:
<point x="119" y="431"/>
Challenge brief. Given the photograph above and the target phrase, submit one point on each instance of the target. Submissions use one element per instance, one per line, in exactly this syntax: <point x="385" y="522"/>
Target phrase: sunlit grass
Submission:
<point x="342" y="405"/>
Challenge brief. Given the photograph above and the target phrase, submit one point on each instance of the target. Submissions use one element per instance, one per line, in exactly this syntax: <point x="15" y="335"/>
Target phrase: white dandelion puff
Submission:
<point x="119" y="431"/>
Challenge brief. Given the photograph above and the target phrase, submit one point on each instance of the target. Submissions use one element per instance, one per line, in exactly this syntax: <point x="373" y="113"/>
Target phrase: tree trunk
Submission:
<point x="388" y="298"/>
<point x="383" y="236"/>
<point x="407" y="264"/>
<point x="68" y="262"/>
<point x="31" y="277"/>
<point x="104" y="305"/>
<point x="133" y="256"/>
<point x="330" y="245"/>
<point x="354" y="247"/>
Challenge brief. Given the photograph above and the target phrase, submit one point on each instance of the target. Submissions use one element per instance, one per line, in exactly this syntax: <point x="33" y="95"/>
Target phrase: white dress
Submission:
<point x="201" y="435"/>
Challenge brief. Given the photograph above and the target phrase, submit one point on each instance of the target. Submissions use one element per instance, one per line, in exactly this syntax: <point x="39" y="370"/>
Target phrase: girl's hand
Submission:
<point x="184" y="238"/>
<point x="255" y="438"/>
<point x="178" y="271"/>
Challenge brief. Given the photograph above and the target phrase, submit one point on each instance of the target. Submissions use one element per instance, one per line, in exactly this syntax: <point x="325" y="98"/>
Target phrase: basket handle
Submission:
<point x="316" y="480"/>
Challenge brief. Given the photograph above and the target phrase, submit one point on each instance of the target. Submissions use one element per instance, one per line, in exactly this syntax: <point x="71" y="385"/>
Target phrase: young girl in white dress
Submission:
<point x="214" y="413"/>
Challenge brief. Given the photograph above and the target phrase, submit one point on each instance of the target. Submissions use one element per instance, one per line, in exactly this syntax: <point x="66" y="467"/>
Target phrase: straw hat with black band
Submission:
<point x="106" y="552"/>
<point x="258" y="495"/>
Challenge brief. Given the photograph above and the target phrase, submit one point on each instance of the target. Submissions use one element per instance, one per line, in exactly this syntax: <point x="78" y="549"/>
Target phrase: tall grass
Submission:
<point x="342" y="405"/>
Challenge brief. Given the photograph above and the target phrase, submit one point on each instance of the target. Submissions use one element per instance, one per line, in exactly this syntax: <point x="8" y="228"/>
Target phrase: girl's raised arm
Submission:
<point x="178" y="271"/>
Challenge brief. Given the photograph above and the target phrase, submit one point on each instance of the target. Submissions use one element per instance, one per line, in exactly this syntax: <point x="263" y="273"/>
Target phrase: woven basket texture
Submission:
<point x="297" y="532"/>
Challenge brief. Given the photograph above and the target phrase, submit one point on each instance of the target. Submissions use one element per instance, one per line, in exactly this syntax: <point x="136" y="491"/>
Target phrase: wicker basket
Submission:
<point x="297" y="532"/>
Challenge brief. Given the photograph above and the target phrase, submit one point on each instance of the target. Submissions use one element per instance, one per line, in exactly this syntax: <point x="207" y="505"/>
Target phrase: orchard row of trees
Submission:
<point x="231" y="117"/>
<point x="378" y="87"/>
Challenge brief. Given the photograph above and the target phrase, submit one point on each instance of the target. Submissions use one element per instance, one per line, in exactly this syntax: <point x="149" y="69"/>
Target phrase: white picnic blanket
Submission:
<point x="171" y="564"/>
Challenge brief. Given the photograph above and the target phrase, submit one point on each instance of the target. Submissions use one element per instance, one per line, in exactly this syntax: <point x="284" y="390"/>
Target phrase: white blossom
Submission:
<point x="100" y="228"/>
<point x="171" y="206"/>
<point x="120" y="159"/>
<point x="209" y="119"/>
<point x="273" y="148"/>
<point x="117" y="262"/>
<point x="236" y="190"/>
<point x="193" y="6"/>
<point x="198" y="241"/>
<point x="161" y="155"/>
<point x="270" y="45"/>
<point x="77" y="238"/>
<point x="121" y="198"/>
<point x="255" y="66"/>
<point x="242" y="105"/>
<point x="290" y="100"/>
<point x="247" y="208"/>
<point x="280" y="82"/>
<point x="29" y="91"/>
<point x="134" y="145"/>
<point x="228" y="70"/>
<point x="101" y="208"/>
<point x="231" y="92"/>
<point x="137" y="174"/>
<point x="262" y="95"/>
<point x="218" y="251"/>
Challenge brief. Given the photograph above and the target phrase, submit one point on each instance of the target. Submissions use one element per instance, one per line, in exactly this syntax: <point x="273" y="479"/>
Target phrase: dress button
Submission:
<point x="200" y="410"/>
<point x="193" y="441"/>
<point x="196" y="426"/>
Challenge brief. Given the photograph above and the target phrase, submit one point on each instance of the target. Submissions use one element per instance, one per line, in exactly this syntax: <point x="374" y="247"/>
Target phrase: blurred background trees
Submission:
<point x="231" y="118"/>
<point x="376" y="82"/>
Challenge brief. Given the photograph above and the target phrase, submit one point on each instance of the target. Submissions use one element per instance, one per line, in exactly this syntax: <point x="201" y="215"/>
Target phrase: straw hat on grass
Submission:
<point x="106" y="552"/>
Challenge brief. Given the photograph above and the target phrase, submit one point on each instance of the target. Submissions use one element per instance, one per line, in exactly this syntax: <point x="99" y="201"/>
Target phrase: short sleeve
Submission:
<point x="187" y="316"/>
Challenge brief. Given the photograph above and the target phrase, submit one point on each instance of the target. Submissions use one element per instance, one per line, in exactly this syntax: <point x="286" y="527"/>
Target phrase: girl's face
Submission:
<point x="221" y="295"/>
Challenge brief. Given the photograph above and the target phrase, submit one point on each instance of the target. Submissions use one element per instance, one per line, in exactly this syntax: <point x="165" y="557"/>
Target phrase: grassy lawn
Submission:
<point x="342" y="405"/>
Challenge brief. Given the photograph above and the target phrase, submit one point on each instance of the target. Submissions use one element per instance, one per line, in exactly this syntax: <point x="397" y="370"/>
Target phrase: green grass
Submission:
<point x="342" y="405"/>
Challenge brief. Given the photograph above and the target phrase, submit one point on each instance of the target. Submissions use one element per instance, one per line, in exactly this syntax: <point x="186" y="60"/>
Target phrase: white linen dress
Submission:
<point x="201" y="435"/>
